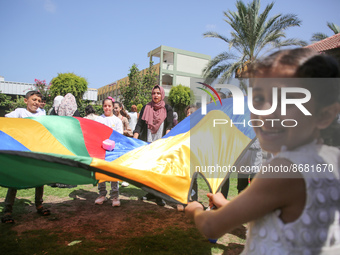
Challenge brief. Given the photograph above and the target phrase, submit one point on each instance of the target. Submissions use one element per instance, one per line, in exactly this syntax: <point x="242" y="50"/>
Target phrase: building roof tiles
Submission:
<point x="329" y="43"/>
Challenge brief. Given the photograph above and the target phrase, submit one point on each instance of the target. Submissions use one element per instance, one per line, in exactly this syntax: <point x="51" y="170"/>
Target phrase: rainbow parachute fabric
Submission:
<point x="52" y="149"/>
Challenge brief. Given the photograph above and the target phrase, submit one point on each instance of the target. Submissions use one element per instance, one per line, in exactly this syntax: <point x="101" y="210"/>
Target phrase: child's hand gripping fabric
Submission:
<point x="216" y="200"/>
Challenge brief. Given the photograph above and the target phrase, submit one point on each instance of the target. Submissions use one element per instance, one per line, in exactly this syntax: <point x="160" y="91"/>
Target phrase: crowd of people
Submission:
<point x="154" y="121"/>
<point x="289" y="212"/>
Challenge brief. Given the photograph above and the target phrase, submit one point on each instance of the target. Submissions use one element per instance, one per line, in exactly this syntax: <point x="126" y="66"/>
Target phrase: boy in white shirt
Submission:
<point x="33" y="100"/>
<point x="42" y="105"/>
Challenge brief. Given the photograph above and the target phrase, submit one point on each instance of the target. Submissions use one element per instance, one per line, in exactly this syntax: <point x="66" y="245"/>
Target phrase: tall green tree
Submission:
<point x="138" y="89"/>
<point x="149" y="81"/>
<point x="253" y="33"/>
<point x="180" y="97"/>
<point x="321" y="36"/>
<point x="130" y="90"/>
<point x="68" y="83"/>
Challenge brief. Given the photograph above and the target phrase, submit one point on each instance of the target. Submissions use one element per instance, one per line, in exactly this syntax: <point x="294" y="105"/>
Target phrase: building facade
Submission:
<point x="21" y="88"/>
<point x="173" y="67"/>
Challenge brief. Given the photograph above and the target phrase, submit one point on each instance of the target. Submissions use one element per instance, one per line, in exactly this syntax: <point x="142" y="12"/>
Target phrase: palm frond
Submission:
<point x="229" y="73"/>
<point x="216" y="35"/>
<point x="335" y="28"/>
<point x="318" y="37"/>
<point x="252" y="32"/>
<point x="220" y="58"/>
<point x="217" y="71"/>
<point x="290" y="42"/>
<point x="321" y="36"/>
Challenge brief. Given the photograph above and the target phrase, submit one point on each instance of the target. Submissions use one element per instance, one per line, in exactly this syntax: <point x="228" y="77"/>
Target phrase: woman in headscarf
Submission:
<point x="68" y="106"/>
<point x="155" y="119"/>
<point x="55" y="107"/>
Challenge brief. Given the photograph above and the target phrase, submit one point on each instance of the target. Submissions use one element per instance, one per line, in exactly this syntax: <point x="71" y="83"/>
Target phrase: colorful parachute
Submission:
<point x="53" y="149"/>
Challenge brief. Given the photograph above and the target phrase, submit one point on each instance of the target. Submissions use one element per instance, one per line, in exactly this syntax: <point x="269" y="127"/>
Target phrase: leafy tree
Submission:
<point x="19" y="102"/>
<point x="139" y="107"/>
<point x="148" y="82"/>
<point x="138" y="89"/>
<point x="5" y="100"/>
<point x="83" y="103"/>
<point x="321" y="36"/>
<point x="180" y="97"/>
<point x="68" y="83"/>
<point x="8" y="105"/>
<point x="252" y="33"/>
<point x="130" y="91"/>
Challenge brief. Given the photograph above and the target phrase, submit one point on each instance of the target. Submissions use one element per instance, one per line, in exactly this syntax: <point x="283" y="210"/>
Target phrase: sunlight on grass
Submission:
<point x="216" y="251"/>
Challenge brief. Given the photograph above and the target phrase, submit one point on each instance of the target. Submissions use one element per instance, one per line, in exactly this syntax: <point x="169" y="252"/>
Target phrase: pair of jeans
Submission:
<point x="114" y="189"/>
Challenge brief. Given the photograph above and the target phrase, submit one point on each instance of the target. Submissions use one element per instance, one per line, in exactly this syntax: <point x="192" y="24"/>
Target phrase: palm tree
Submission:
<point x="253" y="33"/>
<point x="320" y="36"/>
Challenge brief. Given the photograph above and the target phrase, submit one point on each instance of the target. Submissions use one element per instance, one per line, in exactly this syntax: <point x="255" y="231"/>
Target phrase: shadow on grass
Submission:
<point x="233" y="249"/>
<point x="20" y="207"/>
<point x="169" y="241"/>
<point x="240" y="232"/>
<point x="130" y="191"/>
<point x="134" y="228"/>
<point x="83" y="194"/>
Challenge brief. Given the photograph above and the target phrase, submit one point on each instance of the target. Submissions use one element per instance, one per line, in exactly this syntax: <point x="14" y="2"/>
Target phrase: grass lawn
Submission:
<point x="77" y="226"/>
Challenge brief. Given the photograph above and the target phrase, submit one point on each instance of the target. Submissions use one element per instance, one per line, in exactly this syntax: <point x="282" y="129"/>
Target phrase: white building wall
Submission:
<point x="91" y="94"/>
<point x="185" y="81"/>
<point x="188" y="64"/>
<point x="15" y="88"/>
<point x="21" y="88"/>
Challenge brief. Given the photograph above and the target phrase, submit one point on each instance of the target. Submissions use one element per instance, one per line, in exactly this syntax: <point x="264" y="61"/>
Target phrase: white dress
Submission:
<point x="91" y="116"/>
<point x="113" y="122"/>
<point x="317" y="230"/>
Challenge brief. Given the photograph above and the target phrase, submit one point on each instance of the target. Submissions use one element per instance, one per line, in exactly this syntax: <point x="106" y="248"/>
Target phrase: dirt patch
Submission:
<point x="78" y="216"/>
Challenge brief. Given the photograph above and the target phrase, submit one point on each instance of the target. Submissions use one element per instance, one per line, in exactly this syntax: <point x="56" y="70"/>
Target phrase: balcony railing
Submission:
<point x="167" y="87"/>
<point x="168" y="66"/>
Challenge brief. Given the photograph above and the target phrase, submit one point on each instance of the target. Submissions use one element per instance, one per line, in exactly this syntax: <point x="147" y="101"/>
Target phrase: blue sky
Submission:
<point x="100" y="40"/>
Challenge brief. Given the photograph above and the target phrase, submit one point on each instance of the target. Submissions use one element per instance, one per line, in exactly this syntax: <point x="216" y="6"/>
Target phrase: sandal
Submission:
<point x="43" y="211"/>
<point x="7" y="219"/>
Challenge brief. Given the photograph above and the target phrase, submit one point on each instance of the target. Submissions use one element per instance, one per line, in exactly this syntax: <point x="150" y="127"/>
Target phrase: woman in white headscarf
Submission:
<point x="68" y="106"/>
<point x="55" y="107"/>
